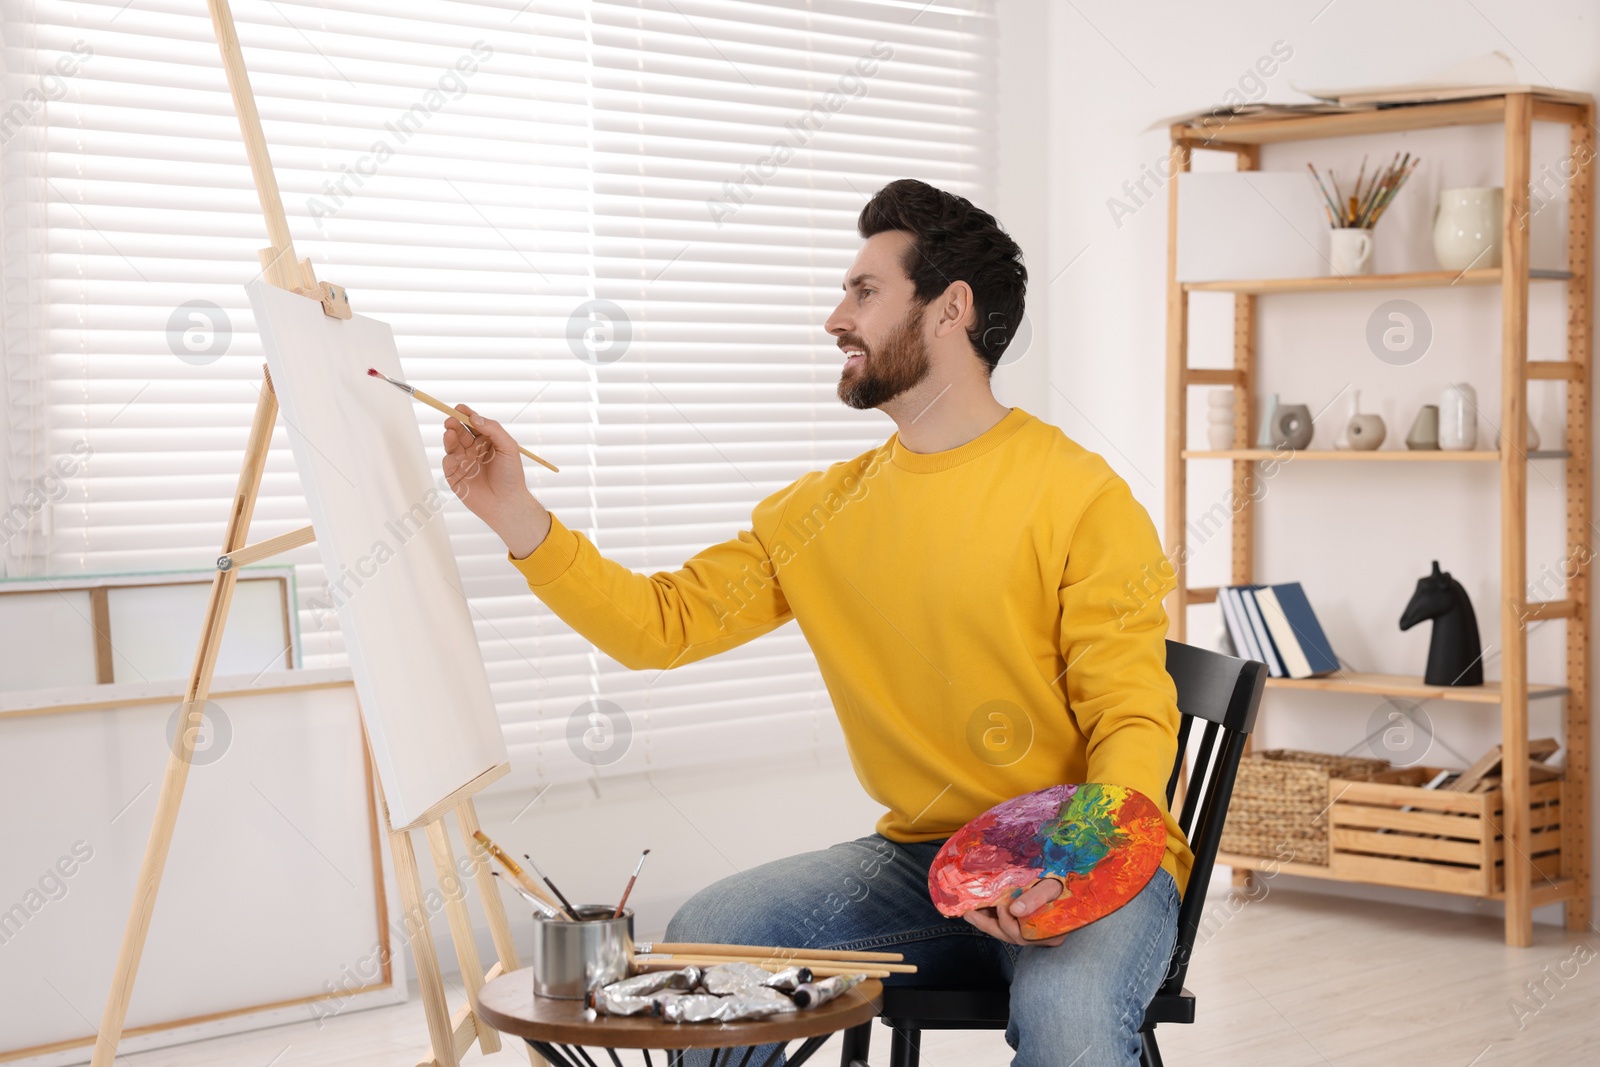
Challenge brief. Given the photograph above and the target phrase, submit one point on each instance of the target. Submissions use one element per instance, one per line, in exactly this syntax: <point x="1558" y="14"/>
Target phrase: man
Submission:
<point x="983" y="597"/>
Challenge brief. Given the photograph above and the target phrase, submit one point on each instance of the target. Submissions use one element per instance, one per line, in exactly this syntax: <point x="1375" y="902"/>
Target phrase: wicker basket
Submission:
<point x="1280" y="803"/>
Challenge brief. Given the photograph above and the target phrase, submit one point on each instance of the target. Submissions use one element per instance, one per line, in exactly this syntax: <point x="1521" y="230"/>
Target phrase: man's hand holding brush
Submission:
<point x="484" y="469"/>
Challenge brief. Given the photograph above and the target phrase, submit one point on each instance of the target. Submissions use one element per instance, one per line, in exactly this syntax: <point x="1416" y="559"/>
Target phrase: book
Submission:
<point x="1313" y="643"/>
<point x="1225" y="602"/>
<point x="1283" y="636"/>
<point x="1263" y="638"/>
<point x="1233" y="614"/>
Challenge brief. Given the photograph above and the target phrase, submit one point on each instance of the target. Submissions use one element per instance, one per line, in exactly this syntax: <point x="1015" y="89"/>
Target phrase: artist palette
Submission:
<point x="1103" y="841"/>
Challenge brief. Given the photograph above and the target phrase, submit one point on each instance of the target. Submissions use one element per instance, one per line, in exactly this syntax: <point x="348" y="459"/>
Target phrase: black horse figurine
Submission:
<point x="1455" y="656"/>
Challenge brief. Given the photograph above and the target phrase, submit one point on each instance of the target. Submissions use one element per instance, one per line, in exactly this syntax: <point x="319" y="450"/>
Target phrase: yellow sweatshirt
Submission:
<point x="987" y="619"/>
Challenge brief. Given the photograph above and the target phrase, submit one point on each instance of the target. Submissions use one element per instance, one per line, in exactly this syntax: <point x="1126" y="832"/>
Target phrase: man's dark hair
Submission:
<point x="955" y="241"/>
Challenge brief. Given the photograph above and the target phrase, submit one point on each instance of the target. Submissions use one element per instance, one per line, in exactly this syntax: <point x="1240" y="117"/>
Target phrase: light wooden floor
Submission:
<point x="1293" y="979"/>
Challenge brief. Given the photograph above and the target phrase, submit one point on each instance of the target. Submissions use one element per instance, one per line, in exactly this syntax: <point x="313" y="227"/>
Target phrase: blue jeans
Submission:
<point x="1079" y="1003"/>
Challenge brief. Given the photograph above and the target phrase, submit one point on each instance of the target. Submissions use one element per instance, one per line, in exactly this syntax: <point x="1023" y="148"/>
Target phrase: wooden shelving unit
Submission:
<point x="1517" y="112"/>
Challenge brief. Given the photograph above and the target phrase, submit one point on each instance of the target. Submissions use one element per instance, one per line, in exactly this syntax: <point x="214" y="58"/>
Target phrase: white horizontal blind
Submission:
<point x="734" y="144"/>
<point x="511" y="187"/>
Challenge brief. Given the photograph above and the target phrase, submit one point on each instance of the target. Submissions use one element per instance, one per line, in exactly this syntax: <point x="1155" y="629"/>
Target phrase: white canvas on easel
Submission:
<point x="391" y="571"/>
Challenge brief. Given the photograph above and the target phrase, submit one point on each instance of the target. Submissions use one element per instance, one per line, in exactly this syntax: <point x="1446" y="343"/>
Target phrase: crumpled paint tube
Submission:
<point x="789" y="979"/>
<point x="607" y="1003"/>
<point x="757" y="1003"/>
<point x="650" y="982"/>
<point x="811" y="994"/>
<point x="643" y="994"/>
<point x="725" y="978"/>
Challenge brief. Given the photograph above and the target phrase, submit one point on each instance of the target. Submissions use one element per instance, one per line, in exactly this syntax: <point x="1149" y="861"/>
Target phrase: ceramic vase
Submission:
<point x="1363" y="433"/>
<point x="1458" y="418"/>
<point x="1466" y="228"/>
<point x="1291" y="426"/>
<point x="1425" y="429"/>
<point x="1264" y="438"/>
<point x="1219" y="419"/>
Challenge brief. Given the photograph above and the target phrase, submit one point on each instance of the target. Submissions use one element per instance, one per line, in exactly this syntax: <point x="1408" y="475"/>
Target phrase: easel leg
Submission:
<point x="455" y="910"/>
<point x="505" y="945"/>
<point x="422" y="951"/>
<point x="177" y="772"/>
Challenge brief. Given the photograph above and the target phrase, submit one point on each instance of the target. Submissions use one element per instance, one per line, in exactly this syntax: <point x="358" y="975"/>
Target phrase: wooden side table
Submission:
<point x="559" y="1030"/>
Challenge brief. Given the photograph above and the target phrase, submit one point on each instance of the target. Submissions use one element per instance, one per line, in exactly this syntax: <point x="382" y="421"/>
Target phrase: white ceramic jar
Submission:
<point x="1458" y="417"/>
<point x="1466" y="228"/>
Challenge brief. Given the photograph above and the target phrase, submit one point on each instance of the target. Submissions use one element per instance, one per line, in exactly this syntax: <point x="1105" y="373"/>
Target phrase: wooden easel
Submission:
<point x="450" y="1036"/>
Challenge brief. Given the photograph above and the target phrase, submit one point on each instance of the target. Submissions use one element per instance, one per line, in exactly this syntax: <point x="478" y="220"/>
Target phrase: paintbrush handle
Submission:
<point x="814" y="964"/>
<point x="770" y="951"/>
<point x="439" y="405"/>
<point x="511" y="866"/>
<point x="676" y="963"/>
<point x="623" y="902"/>
<point x="540" y="906"/>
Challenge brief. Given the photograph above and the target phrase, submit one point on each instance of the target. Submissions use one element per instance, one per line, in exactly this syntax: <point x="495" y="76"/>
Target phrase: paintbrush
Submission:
<point x="516" y="872"/>
<point x="540" y="906"/>
<point x="710" y="948"/>
<point x="783" y="961"/>
<point x="629" y="887"/>
<point x="439" y="405"/>
<point x="565" y="903"/>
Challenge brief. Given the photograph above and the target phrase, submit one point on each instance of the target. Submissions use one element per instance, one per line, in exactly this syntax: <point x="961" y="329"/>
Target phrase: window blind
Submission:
<point x="615" y="225"/>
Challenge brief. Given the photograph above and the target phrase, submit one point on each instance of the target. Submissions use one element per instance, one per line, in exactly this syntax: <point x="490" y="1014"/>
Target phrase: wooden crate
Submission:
<point x="1390" y="831"/>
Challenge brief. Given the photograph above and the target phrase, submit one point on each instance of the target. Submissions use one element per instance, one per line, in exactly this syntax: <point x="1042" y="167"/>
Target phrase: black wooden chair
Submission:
<point x="1218" y="690"/>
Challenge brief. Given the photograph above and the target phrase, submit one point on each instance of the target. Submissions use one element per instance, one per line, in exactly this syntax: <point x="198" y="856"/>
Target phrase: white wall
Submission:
<point x="1357" y="538"/>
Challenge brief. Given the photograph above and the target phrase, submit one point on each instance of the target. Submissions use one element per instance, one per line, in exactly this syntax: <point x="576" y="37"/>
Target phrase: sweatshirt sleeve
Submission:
<point x="1113" y="639"/>
<point x="725" y="595"/>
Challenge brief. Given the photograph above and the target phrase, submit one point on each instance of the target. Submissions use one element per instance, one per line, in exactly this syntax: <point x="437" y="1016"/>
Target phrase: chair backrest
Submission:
<point x="1223" y="693"/>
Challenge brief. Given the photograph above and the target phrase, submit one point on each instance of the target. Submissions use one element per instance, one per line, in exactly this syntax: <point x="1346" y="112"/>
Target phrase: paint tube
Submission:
<point x="652" y="981"/>
<point x="789" y="979"/>
<point x="823" y="990"/>
<point x="725" y="978"/>
<point x="757" y="1003"/>
<point x="608" y="1003"/>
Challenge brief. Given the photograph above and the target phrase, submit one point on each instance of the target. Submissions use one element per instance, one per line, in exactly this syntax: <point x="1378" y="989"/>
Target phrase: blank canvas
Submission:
<point x="377" y="509"/>
<point x="49" y="639"/>
<point x="270" y="890"/>
<point x="1250" y="224"/>
<point x="154" y="629"/>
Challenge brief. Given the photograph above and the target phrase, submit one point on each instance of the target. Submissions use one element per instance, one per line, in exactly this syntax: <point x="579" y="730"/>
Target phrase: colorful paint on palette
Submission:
<point x="1103" y="841"/>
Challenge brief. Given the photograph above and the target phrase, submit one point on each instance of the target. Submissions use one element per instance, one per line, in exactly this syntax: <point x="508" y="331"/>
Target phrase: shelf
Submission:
<point x="1377" y="455"/>
<point x="1545" y="892"/>
<point x="1548" y="106"/>
<point x="1425" y="279"/>
<point x="1405" y="685"/>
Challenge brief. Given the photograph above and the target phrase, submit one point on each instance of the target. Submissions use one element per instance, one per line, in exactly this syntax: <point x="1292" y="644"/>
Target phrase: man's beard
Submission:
<point x="888" y="370"/>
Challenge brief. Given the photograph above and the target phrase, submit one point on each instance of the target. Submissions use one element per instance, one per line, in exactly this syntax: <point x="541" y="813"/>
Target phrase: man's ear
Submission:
<point x="954" y="309"/>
